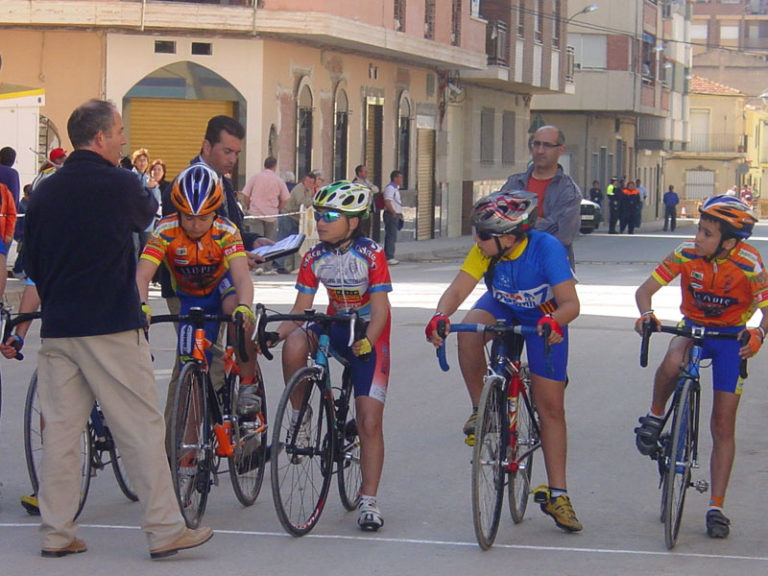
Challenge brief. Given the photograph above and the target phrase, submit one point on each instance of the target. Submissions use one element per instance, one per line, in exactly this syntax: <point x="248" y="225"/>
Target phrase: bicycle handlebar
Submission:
<point x="356" y="332"/>
<point x="697" y="333"/>
<point x="197" y="317"/>
<point x="495" y="329"/>
<point x="11" y="323"/>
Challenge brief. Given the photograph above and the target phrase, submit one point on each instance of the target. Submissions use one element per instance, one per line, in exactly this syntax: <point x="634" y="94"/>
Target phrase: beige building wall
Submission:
<point x="68" y="64"/>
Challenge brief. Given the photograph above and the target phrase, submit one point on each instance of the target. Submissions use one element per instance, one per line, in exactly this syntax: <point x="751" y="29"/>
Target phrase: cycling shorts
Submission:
<point x="369" y="378"/>
<point x="211" y="304"/>
<point x="725" y="360"/>
<point x="555" y="367"/>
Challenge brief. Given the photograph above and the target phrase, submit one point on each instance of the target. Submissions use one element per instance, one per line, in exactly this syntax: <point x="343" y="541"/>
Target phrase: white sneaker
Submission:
<point x="369" y="517"/>
<point x="393" y="262"/>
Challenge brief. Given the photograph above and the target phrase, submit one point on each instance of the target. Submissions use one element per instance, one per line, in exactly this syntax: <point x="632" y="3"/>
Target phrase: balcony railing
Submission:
<point x="570" y="66"/>
<point x="248" y="3"/>
<point x="497" y="43"/>
<point x="716" y="142"/>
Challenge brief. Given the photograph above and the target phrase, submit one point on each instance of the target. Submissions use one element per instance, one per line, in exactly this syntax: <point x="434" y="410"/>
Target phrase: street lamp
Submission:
<point x="585" y="10"/>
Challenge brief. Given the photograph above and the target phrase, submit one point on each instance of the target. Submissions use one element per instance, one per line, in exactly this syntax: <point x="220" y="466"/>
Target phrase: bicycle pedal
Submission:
<point x="700" y="486"/>
<point x="541" y="495"/>
<point x="469" y="440"/>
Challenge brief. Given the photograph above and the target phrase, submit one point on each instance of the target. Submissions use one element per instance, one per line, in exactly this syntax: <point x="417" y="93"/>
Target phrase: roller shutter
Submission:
<point x="425" y="184"/>
<point x="171" y="129"/>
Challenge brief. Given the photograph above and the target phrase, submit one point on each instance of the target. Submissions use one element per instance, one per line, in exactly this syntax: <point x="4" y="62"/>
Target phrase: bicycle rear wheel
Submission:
<point x="488" y="455"/>
<point x="348" y="456"/>
<point x="118" y="467"/>
<point x="191" y="454"/>
<point x="302" y="455"/>
<point x="677" y="477"/>
<point x="525" y="440"/>
<point x="33" y="445"/>
<point x="246" y="466"/>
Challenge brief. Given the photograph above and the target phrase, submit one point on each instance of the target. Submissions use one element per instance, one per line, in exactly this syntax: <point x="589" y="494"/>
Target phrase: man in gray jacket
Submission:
<point x="559" y="196"/>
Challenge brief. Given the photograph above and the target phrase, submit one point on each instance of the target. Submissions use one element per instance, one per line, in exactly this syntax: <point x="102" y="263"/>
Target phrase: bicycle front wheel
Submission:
<point x="33" y="445"/>
<point x="525" y="439"/>
<point x="246" y="465"/>
<point x="678" y="461"/>
<point x="488" y="455"/>
<point x="302" y="452"/>
<point x="348" y="456"/>
<point x="191" y="455"/>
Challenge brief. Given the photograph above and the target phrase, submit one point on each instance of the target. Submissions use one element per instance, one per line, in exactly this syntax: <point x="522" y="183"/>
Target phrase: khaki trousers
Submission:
<point x="116" y="370"/>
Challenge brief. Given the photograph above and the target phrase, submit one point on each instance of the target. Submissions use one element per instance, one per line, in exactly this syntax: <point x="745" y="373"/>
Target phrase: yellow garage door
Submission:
<point x="170" y="129"/>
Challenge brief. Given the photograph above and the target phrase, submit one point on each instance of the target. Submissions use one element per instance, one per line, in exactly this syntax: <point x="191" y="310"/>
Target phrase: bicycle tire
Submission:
<point x="191" y="453"/>
<point x="301" y="477"/>
<point x="118" y="468"/>
<point x="246" y="465"/>
<point x="488" y="454"/>
<point x="350" y="477"/>
<point x="678" y="460"/>
<point x="526" y="437"/>
<point x="33" y="445"/>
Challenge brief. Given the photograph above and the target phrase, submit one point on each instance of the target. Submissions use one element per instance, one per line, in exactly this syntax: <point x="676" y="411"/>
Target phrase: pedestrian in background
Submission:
<point x="301" y="196"/>
<point x="78" y="233"/>
<point x="671" y="200"/>
<point x="361" y="177"/>
<point x="596" y="193"/>
<point x="8" y="174"/>
<point x="393" y="215"/>
<point x="643" y="193"/>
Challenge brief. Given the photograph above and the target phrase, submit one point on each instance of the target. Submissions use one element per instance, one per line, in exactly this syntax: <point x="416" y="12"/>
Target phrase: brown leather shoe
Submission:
<point x="75" y="547"/>
<point x="189" y="539"/>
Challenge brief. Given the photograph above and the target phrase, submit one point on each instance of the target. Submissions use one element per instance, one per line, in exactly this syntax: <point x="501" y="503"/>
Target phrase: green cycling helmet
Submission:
<point x="349" y="198"/>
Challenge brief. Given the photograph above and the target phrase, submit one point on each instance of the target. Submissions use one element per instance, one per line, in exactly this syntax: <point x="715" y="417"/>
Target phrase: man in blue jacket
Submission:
<point x="559" y="198"/>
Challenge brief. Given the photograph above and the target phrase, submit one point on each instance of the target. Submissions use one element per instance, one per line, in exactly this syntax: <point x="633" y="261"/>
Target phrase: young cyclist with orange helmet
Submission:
<point x="205" y="256"/>
<point x="723" y="282"/>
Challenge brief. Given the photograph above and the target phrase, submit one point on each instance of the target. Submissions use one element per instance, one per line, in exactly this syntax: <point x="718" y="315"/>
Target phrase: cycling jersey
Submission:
<point x="523" y="279"/>
<point x="349" y="276"/>
<point x="197" y="266"/>
<point x="721" y="292"/>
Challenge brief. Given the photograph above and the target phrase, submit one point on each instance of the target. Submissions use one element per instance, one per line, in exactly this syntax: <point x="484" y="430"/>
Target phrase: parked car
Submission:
<point x="591" y="216"/>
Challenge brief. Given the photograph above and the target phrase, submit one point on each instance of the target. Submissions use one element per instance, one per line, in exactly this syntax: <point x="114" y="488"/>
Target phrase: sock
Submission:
<point x="555" y="493"/>
<point x="716" y="503"/>
<point x="366" y="500"/>
<point x="653" y="413"/>
<point x="246" y="381"/>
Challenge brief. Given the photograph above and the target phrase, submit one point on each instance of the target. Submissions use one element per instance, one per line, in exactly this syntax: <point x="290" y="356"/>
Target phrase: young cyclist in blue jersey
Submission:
<point x="530" y="282"/>
<point x="354" y="271"/>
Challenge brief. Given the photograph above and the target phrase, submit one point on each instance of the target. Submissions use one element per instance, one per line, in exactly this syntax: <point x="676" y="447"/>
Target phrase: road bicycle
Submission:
<point x="301" y="472"/>
<point x="97" y="446"/>
<point x="507" y="430"/>
<point x="205" y="426"/>
<point x="678" y="449"/>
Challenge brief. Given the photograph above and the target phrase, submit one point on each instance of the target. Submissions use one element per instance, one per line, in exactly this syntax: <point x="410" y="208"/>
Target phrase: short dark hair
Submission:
<point x="359" y="169"/>
<point x="270" y="162"/>
<point x="226" y="123"/>
<point x="394" y="174"/>
<point x="89" y="119"/>
<point x="7" y="156"/>
<point x="310" y="174"/>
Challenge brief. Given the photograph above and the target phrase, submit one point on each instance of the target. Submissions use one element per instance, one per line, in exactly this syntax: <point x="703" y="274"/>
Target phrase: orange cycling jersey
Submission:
<point x="196" y="266"/>
<point x="721" y="292"/>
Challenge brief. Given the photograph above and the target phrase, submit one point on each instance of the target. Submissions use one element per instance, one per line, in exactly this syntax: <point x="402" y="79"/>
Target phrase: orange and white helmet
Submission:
<point x="197" y="190"/>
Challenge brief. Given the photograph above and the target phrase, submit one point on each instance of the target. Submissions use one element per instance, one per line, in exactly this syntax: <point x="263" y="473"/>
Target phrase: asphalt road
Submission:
<point x="425" y="491"/>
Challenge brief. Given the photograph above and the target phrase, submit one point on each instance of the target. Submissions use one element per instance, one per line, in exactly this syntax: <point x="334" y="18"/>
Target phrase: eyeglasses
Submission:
<point x="483" y="236"/>
<point x="330" y="216"/>
<point x="539" y="144"/>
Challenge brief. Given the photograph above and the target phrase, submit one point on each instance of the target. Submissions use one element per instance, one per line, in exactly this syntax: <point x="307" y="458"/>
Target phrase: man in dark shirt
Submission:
<point x="78" y="230"/>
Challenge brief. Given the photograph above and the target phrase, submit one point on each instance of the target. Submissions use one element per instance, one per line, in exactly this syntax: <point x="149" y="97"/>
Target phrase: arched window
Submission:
<point x="340" y="130"/>
<point x="304" y="130"/>
<point x="404" y="138"/>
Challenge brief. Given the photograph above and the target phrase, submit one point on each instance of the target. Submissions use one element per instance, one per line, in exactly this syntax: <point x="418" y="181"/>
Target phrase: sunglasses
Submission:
<point x="537" y="144"/>
<point x="483" y="236"/>
<point x="330" y="216"/>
